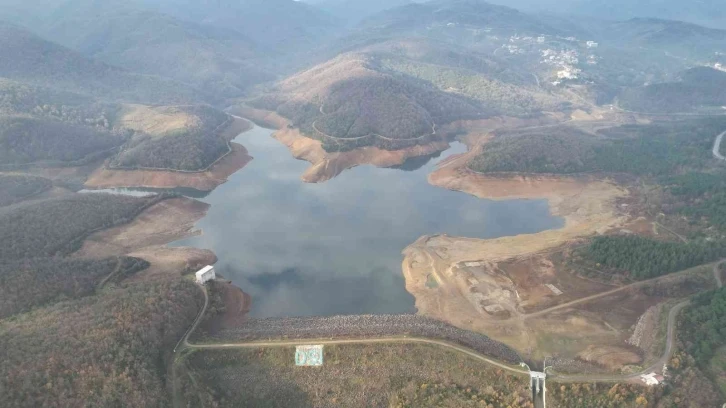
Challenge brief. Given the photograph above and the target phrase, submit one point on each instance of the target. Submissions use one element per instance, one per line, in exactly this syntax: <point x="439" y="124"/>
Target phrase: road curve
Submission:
<point x="184" y="341"/>
<point x="717" y="147"/>
<point x="658" y="365"/>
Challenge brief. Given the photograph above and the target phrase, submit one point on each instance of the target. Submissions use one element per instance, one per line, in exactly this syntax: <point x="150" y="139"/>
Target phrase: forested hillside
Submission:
<point x="30" y="59"/>
<point x="643" y="258"/>
<point x="419" y="18"/>
<point x="656" y="149"/>
<point x="348" y="98"/>
<point x="190" y="148"/>
<point x="274" y="26"/>
<point x="703" y="325"/>
<point x="105" y="350"/>
<point x="696" y="88"/>
<point x="128" y="35"/>
<point x="25" y="140"/>
<point x="57" y="226"/>
<point x="36" y="282"/>
<point x="17" y="187"/>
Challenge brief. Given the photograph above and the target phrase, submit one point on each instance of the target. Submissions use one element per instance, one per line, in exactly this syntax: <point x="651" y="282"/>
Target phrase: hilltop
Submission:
<point x="351" y="97"/>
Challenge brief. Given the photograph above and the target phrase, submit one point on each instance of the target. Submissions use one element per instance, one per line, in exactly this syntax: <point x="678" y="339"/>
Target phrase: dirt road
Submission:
<point x="612" y="292"/>
<point x="655" y="367"/>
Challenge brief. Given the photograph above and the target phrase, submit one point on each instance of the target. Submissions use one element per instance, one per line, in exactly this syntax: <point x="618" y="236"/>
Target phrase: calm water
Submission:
<point x="335" y="248"/>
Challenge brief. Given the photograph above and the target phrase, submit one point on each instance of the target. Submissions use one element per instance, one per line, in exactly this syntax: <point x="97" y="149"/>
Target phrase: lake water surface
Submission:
<point x="335" y="248"/>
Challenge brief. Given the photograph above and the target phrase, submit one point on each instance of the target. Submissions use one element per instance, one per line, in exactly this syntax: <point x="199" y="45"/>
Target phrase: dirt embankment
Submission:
<point x="205" y="180"/>
<point x="147" y="235"/>
<point x="326" y="165"/>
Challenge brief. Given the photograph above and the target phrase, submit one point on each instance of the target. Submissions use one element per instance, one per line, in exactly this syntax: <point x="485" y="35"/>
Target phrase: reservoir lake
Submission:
<point x="335" y="248"/>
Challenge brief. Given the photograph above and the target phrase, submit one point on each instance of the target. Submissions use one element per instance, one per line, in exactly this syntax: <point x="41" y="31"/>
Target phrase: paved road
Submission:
<point x="717" y="147"/>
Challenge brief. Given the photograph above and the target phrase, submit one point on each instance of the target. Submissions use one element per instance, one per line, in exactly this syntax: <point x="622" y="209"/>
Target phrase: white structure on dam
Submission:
<point x="206" y="274"/>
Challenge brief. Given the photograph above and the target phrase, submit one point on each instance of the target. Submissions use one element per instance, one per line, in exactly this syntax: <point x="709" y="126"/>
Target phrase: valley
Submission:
<point x="446" y="195"/>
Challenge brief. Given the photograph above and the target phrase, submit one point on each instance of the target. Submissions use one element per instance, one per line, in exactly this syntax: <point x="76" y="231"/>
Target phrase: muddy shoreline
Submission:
<point x="207" y="180"/>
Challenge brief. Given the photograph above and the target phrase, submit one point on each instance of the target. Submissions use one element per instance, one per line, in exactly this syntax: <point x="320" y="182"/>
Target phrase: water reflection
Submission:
<point x="335" y="248"/>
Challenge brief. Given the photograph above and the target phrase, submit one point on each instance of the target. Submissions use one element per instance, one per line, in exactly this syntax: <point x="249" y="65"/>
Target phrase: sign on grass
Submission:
<point x="307" y="356"/>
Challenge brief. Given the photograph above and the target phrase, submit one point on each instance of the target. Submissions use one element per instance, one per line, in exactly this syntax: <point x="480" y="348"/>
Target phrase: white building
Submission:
<point x="651" y="379"/>
<point x="205" y="275"/>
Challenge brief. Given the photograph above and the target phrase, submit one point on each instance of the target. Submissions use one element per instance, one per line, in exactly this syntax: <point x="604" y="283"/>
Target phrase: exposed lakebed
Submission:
<point x="335" y="248"/>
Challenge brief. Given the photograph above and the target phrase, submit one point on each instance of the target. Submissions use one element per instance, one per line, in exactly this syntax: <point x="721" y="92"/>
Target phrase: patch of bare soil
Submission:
<point x="166" y="262"/>
<point x="204" y="181"/>
<point x="471" y="283"/>
<point x="156" y="120"/>
<point x="610" y="356"/>
<point x="167" y="221"/>
<point x="327" y="165"/>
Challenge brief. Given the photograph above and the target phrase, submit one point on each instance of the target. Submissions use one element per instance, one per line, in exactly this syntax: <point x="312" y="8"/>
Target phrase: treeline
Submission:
<point x="17" y="187"/>
<point x="58" y="226"/>
<point x="31" y="283"/>
<point x="25" y="140"/>
<point x="656" y="149"/>
<point x="190" y="149"/>
<point x="108" y="350"/>
<point x="703" y="325"/>
<point x="702" y="197"/>
<point x="644" y="258"/>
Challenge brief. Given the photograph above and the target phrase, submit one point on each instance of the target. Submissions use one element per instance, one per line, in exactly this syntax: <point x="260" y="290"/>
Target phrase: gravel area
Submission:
<point x="366" y="326"/>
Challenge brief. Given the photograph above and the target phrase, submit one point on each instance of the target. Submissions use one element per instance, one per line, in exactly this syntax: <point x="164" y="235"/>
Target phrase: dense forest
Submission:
<point x="702" y="197"/>
<point x="703" y="325"/>
<point x="696" y="88"/>
<point x="190" y="149"/>
<point x="58" y="225"/>
<point x="17" y="187"/>
<point x="644" y="258"/>
<point x="108" y="350"/>
<point x="656" y="149"/>
<point x="25" y="140"/>
<point x="36" y="282"/>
